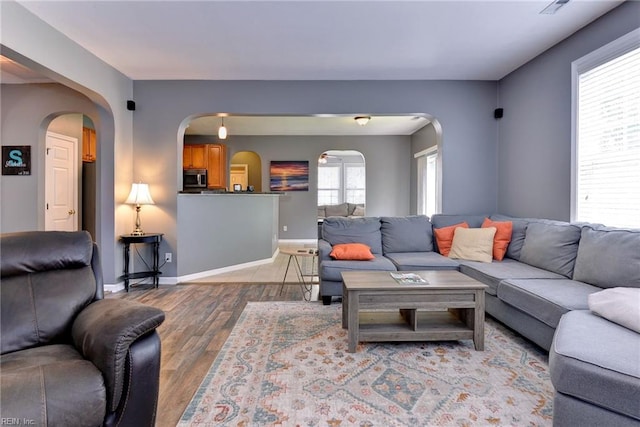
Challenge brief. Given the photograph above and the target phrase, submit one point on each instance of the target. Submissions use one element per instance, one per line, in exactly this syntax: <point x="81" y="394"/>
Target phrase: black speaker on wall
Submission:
<point x="131" y="105"/>
<point x="498" y="113"/>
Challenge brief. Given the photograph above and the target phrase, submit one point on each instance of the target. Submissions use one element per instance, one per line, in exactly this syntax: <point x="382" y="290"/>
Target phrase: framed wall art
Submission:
<point x="16" y="160"/>
<point x="289" y="175"/>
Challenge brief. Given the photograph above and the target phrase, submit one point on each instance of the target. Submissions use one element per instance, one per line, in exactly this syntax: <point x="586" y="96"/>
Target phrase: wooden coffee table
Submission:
<point x="375" y="307"/>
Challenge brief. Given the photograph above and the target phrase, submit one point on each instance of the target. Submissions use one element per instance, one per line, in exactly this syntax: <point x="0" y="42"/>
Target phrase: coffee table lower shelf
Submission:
<point x="412" y="325"/>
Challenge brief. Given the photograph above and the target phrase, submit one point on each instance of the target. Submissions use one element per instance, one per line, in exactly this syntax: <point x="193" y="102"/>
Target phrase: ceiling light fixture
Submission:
<point x="222" y="131"/>
<point x="553" y="7"/>
<point x="362" y="120"/>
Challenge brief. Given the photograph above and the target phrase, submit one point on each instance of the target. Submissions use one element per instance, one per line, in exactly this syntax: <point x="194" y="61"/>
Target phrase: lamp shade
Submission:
<point x="139" y="195"/>
<point x="222" y="131"/>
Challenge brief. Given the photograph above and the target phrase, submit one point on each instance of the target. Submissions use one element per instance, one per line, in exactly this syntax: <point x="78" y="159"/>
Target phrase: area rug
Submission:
<point x="286" y="364"/>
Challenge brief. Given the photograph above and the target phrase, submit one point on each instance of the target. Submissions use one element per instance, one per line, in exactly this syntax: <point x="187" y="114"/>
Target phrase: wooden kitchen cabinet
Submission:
<point x="88" y="145"/>
<point x="217" y="170"/>
<point x="194" y="156"/>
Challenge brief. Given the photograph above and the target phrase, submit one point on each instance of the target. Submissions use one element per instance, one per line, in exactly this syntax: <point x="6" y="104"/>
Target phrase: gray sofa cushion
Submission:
<point x="337" y="210"/>
<point x="518" y="234"/>
<point x="407" y="261"/>
<point x="331" y="269"/>
<point x="491" y="274"/>
<point x="551" y="246"/>
<point x="608" y="257"/>
<point x="365" y="230"/>
<point x="406" y="234"/>
<point x="596" y="361"/>
<point x="445" y="220"/>
<point x="546" y="299"/>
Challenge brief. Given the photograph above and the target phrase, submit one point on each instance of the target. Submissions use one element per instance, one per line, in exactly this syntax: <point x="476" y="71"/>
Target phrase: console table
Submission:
<point x="153" y="239"/>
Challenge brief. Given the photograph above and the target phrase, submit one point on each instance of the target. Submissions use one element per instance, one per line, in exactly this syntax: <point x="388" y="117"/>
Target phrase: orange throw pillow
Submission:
<point x="444" y="237"/>
<point x="351" y="251"/>
<point x="502" y="238"/>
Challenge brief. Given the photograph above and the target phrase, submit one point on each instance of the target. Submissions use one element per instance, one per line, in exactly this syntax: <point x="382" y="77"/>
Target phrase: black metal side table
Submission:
<point x="153" y="239"/>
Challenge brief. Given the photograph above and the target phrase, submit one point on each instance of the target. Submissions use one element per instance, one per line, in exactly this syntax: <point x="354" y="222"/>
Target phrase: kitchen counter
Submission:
<point x="235" y="193"/>
<point x="218" y="231"/>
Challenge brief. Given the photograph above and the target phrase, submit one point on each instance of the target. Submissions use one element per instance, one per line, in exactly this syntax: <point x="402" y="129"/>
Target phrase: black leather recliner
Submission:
<point x="68" y="356"/>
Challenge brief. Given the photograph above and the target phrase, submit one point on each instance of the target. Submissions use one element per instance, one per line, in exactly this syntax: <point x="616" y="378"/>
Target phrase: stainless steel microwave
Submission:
<point x="194" y="179"/>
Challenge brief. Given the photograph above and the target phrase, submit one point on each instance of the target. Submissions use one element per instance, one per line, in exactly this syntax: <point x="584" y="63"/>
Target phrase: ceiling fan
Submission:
<point x="324" y="157"/>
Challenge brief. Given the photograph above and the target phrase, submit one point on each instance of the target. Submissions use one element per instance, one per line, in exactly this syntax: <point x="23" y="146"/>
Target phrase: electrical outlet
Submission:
<point x="167" y="257"/>
<point x="284" y="228"/>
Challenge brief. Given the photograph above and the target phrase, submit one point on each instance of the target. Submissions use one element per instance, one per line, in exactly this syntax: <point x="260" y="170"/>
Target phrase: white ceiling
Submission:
<point x="307" y="125"/>
<point x="311" y="40"/>
<point x="316" y="40"/>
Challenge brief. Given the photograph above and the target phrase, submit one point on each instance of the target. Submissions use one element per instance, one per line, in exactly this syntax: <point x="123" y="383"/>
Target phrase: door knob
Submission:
<point x="72" y="211"/>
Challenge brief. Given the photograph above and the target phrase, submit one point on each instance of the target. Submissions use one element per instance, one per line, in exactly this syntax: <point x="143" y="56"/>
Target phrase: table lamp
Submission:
<point x="139" y="195"/>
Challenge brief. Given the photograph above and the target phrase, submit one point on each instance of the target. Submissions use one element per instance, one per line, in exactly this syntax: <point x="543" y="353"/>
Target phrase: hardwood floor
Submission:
<point x="199" y="318"/>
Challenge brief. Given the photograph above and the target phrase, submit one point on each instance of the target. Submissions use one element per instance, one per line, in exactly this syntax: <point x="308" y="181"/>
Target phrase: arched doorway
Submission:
<point x="341" y="183"/>
<point x="78" y="205"/>
<point x="245" y="169"/>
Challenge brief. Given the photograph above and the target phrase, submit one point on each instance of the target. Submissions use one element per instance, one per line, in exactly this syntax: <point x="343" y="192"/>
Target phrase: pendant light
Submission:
<point x="222" y="131"/>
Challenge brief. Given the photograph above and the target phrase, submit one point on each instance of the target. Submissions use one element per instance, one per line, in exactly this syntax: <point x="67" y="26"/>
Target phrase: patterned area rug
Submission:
<point x="286" y="364"/>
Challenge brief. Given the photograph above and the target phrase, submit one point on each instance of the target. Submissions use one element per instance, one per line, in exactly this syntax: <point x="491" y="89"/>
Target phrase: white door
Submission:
<point x="61" y="183"/>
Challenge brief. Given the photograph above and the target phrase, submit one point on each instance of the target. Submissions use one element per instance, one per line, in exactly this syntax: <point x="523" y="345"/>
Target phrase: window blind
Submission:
<point x="608" y="142"/>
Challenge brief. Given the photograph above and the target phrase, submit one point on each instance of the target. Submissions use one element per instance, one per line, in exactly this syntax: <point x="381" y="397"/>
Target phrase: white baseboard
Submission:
<point x="118" y="287"/>
<point x="313" y="242"/>
<point x="113" y="288"/>
<point x="228" y="269"/>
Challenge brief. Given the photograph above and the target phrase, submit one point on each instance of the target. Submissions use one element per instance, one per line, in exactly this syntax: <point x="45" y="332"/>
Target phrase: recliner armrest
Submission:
<point x="103" y="332"/>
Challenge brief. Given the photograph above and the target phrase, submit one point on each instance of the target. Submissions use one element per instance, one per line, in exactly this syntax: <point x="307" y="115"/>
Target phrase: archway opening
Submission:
<point x="342" y="184"/>
<point x="245" y="170"/>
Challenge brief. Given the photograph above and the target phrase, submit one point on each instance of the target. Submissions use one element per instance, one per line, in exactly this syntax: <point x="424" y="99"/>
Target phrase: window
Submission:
<point x="329" y="179"/>
<point x="606" y="170"/>
<point x="354" y="183"/>
<point x="427" y="181"/>
<point x="341" y="178"/>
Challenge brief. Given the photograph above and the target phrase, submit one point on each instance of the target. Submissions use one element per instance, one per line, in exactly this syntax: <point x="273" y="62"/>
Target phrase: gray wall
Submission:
<point x="463" y="108"/>
<point x="29" y="41"/>
<point x="534" y="144"/>
<point x="386" y="161"/>
<point x="217" y="231"/>
<point x="27" y="112"/>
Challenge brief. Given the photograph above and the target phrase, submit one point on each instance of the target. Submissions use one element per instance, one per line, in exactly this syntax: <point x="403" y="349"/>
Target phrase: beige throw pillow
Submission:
<point x="473" y="244"/>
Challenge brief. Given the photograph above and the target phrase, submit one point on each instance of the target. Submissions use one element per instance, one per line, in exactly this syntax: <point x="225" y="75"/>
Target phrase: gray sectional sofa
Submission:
<point x="540" y="289"/>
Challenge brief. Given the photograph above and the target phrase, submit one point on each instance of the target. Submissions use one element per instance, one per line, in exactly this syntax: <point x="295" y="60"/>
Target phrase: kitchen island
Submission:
<point x="223" y="231"/>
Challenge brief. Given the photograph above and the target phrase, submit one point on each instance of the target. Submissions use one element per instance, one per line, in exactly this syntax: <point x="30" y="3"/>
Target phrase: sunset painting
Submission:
<point x="289" y="176"/>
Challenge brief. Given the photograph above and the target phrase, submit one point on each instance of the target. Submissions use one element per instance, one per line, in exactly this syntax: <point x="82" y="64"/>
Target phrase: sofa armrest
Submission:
<point x="324" y="249"/>
<point x="103" y="333"/>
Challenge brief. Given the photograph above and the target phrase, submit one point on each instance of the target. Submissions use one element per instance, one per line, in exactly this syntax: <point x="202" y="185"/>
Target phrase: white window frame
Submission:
<point x="339" y="189"/>
<point x="421" y="204"/>
<point x="594" y="59"/>
<point x="342" y="190"/>
<point x="346" y="166"/>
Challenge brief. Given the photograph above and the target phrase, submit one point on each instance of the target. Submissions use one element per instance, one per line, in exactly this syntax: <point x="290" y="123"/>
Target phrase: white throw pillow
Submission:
<point x="358" y="211"/>
<point x="473" y="244"/>
<point x="619" y="305"/>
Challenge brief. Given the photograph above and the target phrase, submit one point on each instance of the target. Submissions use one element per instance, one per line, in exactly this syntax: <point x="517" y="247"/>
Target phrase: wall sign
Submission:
<point x="16" y="160"/>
